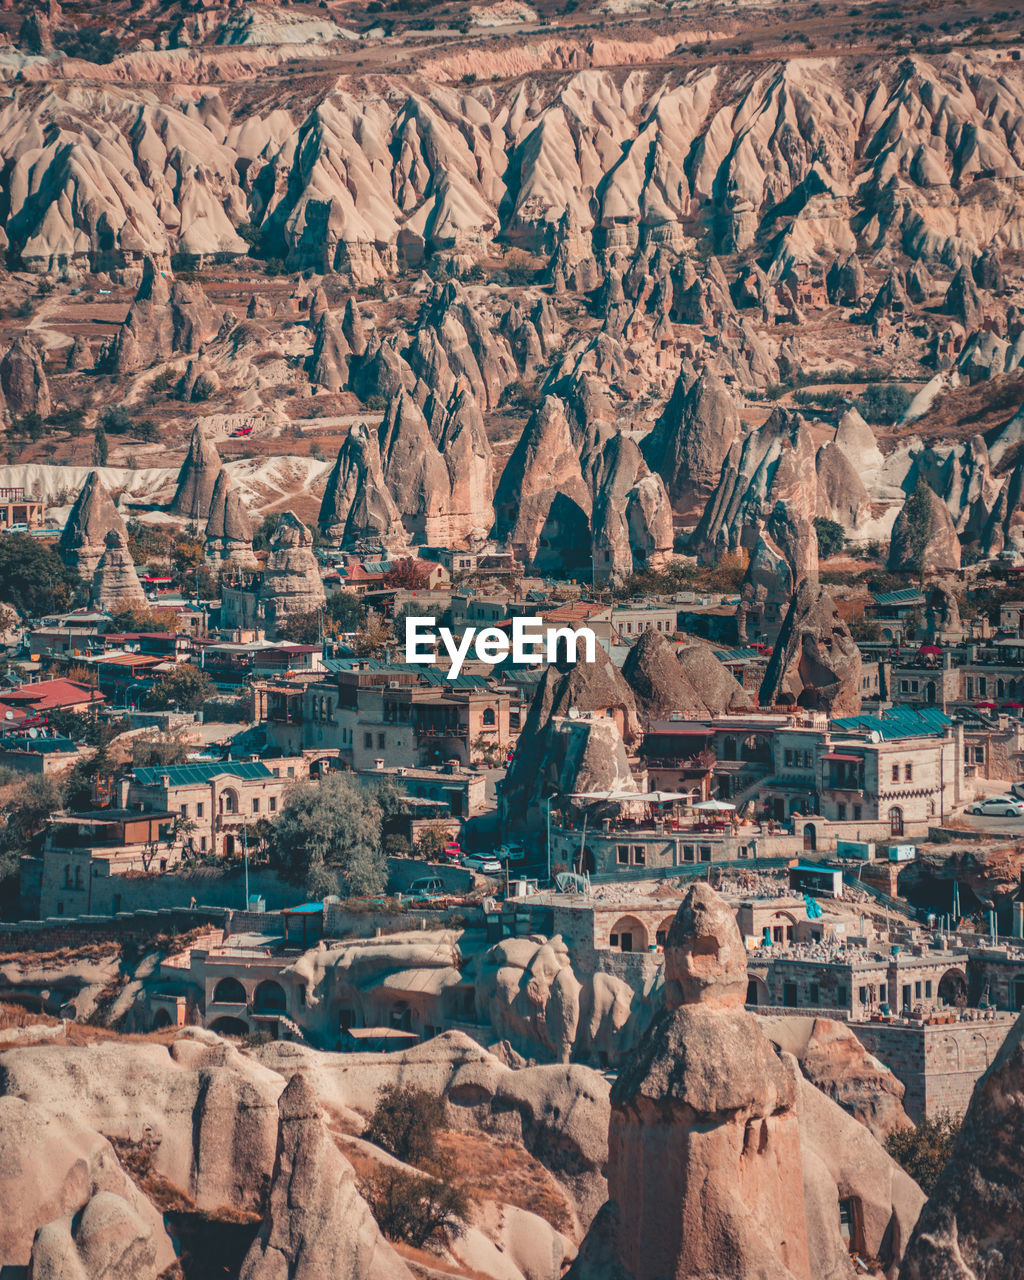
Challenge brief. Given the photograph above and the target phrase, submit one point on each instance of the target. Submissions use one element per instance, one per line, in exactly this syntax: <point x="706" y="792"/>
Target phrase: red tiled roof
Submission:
<point x="46" y="695"/>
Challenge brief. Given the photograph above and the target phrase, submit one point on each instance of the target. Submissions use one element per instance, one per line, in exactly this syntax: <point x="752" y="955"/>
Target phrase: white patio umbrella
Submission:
<point x="664" y="797"/>
<point x="714" y="806"/>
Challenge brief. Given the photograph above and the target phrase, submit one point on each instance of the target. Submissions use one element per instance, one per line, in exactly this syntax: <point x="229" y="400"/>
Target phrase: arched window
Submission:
<point x="896" y="821"/>
<point x="490" y="716"/>
<point x="269" y="997"/>
<point x="229" y="801"/>
<point x="229" y="991"/>
<point x="628" y="934"/>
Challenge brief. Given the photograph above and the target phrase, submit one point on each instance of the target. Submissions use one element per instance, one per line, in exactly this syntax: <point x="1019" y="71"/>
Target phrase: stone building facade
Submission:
<point x="938" y="1062"/>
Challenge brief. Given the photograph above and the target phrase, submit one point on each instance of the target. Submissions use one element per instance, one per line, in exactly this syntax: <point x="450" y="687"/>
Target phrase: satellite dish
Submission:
<point x="33" y="733"/>
<point x="8" y="715"/>
<point x="574" y="713"/>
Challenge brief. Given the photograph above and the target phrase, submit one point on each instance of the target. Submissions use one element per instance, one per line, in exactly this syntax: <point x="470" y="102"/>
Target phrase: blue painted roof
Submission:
<point x="909" y="596"/>
<point x="183" y="775"/>
<point x="899" y="722"/>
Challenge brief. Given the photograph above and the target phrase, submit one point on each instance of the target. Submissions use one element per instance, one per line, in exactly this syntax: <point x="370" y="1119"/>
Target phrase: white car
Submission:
<point x="999" y="806"/>
<point x="487" y="864"/>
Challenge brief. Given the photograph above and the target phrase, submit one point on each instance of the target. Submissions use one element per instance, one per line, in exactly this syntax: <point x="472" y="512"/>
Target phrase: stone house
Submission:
<point x="219" y="800"/>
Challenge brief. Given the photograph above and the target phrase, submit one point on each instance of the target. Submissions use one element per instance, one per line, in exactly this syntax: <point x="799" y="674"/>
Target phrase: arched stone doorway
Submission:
<point x="896" y="822"/>
<point x="628" y="934"/>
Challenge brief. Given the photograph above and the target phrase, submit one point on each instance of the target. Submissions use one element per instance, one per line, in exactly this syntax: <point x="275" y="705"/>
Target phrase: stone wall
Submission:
<point x="938" y="1063"/>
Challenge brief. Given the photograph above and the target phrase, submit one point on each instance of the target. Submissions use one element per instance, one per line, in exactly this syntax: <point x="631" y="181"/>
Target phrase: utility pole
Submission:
<point x="245" y="856"/>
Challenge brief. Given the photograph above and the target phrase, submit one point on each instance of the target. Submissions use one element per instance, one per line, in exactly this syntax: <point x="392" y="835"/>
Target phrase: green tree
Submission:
<point x="186" y="687"/>
<point x="26" y="807"/>
<point x="925" y="1150"/>
<point x="883" y="402"/>
<point x="414" y="1208"/>
<point x="346" y="611"/>
<point x="917" y="512"/>
<point x="101" y="447"/>
<point x="33" y="578"/>
<point x="302" y="628"/>
<point x="406" y="1121"/>
<point x="328" y="837"/>
<point x="831" y="537"/>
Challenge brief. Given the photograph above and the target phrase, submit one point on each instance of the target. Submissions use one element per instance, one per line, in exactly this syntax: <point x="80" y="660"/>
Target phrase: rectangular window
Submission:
<point x="814" y="993"/>
<point x="908" y="772"/>
<point x="840" y="997"/>
<point x="199" y="810"/>
<point x="928" y="989"/>
<point x="688" y="853"/>
<point x="368" y="741"/>
<point x="862" y="995"/>
<point x="184" y="810"/>
<point x="272" y="803"/>
<point x="906" y="995"/>
<point x="789" y="996"/>
<point x="705" y="853"/>
<point x="895" y="773"/>
<point x="622" y="855"/>
<point x="789" y="755"/>
<point x="917" y="991"/>
<point x="255" y="805"/>
<point x="881" y="992"/>
<point x="381" y="741"/>
<point x="613" y="940"/>
<point x="841" y="813"/>
<point x="639" y="856"/>
<point x="856" y="812"/>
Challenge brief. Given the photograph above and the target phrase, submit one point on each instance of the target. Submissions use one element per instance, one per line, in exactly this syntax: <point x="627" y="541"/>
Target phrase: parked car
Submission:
<point x="452" y="852"/>
<point x="1018" y="790"/>
<point x="510" y="853"/>
<point x="999" y="806"/>
<point x="426" y="887"/>
<point x="486" y="863"/>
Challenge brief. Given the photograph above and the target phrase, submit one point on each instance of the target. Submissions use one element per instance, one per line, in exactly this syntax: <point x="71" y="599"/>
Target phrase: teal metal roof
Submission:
<point x="740" y="655"/>
<point x="464" y="680"/>
<point x="898" y="722"/>
<point x="184" y="775"/>
<point x="909" y="596"/>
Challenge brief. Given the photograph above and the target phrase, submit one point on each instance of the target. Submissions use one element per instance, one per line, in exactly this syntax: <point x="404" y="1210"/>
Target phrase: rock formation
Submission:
<point x="328" y="365"/>
<point x="834" y="1060"/>
<point x="693" y="684"/>
<point x="722" y="1160"/>
<point x="164" y="320"/>
<point x="197" y="478"/>
<point x="357" y="502"/>
<point x="69" y="1208"/>
<point x="924" y="537"/>
<point x="595" y="688"/>
<point x="229" y="527"/>
<point x="414" y="470"/>
<point x="632" y="519"/>
<point x="80" y="355"/>
<point x="542" y="503"/>
<point x="815" y="662"/>
<point x="973" y="1223"/>
<point x="316" y="1222"/>
<point x="692" y="438"/>
<point x="291" y="580"/>
<point x="23" y="379"/>
<point x="461" y="438"/>
<point x="93" y="516"/>
<point x="115" y="584"/>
